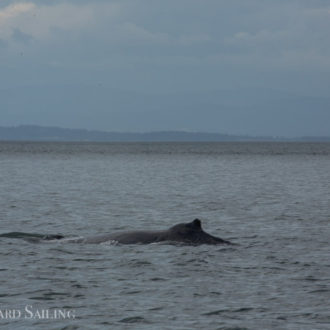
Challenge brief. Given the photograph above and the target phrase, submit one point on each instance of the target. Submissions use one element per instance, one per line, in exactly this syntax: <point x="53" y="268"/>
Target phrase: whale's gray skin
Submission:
<point x="187" y="233"/>
<point x="31" y="236"/>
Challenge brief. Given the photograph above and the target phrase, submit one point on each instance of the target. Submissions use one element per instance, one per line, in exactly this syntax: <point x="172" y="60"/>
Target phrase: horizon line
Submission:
<point x="166" y="132"/>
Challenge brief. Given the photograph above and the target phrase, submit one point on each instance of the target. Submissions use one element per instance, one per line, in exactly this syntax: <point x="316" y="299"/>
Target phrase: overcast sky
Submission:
<point x="122" y="55"/>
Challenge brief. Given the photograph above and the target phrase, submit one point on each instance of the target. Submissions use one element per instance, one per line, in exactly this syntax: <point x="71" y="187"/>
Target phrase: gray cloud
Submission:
<point x="253" y="32"/>
<point x="3" y="43"/>
<point x="166" y="46"/>
<point x="20" y="36"/>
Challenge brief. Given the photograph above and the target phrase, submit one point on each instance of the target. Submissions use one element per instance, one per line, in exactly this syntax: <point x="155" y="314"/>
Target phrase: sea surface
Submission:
<point x="271" y="199"/>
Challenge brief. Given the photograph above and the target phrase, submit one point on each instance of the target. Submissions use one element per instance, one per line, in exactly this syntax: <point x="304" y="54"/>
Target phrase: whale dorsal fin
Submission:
<point x="197" y="223"/>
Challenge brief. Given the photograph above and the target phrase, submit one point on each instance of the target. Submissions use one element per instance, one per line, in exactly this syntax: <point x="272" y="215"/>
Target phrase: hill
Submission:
<point x="41" y="133"/>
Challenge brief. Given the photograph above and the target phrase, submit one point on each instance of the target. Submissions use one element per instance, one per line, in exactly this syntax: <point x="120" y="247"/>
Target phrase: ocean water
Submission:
<point x="271" y="199"/>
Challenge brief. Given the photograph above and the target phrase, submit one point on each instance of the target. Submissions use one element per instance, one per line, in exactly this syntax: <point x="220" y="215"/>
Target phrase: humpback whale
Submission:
<point x="190" y="233"/>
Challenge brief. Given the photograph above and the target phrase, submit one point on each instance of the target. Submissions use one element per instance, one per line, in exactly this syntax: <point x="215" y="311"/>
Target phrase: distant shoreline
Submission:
<point x="34" y="133"/>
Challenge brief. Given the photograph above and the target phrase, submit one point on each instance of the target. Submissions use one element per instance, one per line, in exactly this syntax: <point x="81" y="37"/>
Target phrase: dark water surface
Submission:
<point x="273" y="199"/>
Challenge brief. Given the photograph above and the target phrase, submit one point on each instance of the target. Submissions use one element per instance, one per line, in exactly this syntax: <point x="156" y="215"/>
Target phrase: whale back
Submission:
<point x="187" y="233"/>
<point x="193" y="233"/>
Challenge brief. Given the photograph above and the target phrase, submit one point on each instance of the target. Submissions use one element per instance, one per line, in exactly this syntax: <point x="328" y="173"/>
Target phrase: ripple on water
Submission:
<point x="51" y="296"/>
<point x="238" y="310"/>
<point x="134" y="319"/>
